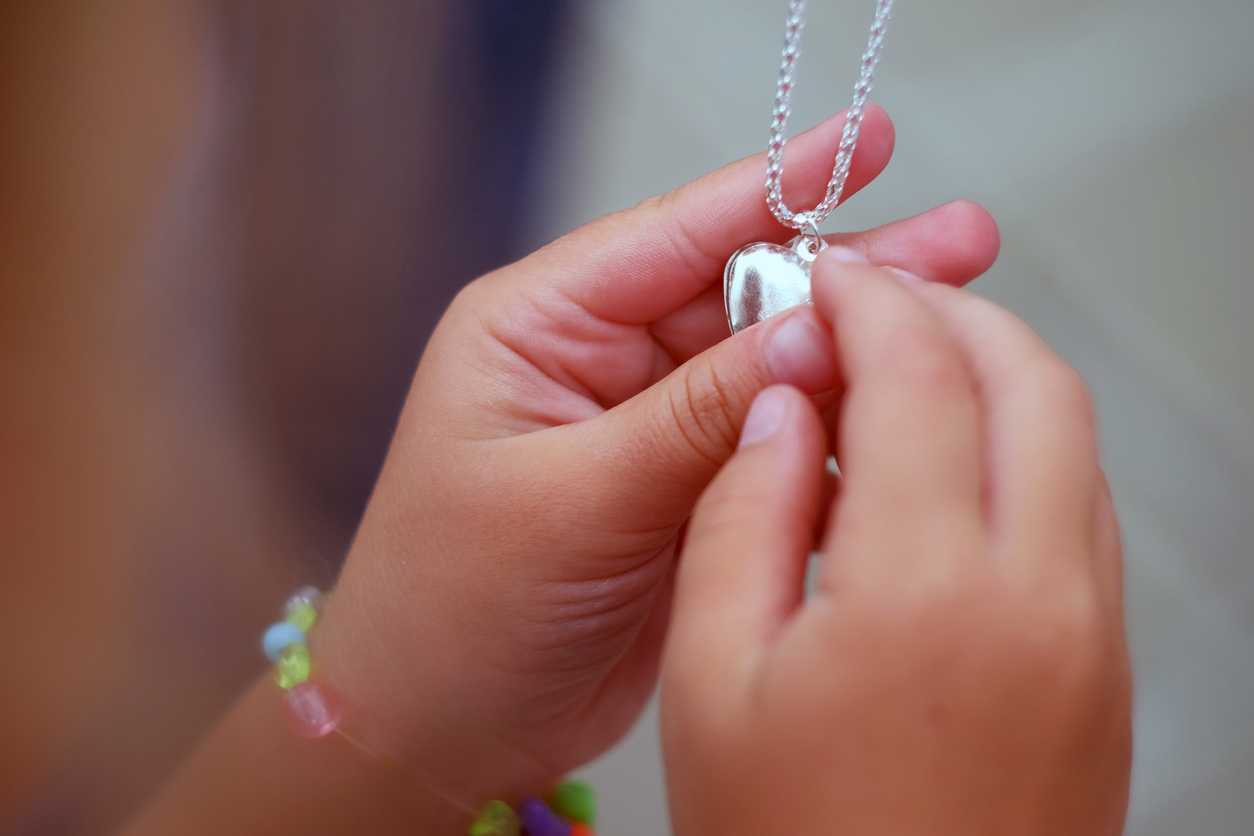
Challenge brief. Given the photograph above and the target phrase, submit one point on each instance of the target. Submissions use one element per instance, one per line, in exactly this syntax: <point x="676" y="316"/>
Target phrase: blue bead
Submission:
<point x="280" y="636"/>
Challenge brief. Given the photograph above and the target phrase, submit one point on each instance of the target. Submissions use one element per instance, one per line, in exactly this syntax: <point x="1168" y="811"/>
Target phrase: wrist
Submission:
<point x="253" y="775"/>
<point x="431" y="768"/>
<point x="416" y="697"/>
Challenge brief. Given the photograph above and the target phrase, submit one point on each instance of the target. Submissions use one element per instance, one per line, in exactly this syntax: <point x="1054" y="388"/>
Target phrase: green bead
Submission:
<point x="303" y="616"/>
<point x="293" y="666"/>
<point x="497" y="819"/>
<point x="576" y="801"/>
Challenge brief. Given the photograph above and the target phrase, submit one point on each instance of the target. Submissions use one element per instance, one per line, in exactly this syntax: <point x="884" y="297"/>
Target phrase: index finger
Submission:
<point x="640" y="264"/>
<point x="909" y="437"/>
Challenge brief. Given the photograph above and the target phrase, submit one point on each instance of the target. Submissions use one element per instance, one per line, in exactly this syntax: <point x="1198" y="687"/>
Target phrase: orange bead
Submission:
<point x="580" y="829"/>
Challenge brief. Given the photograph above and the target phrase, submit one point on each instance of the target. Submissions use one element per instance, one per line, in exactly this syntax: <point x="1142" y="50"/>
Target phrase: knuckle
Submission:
<point x="1062" y="387"/>
<point x="926" y="366"/>
<point x="469" y="295"/>
<point x="703" y="409"/>
<point x="665" y="212"/>
<point x="657" y="202"/>
<point x="1064" y="639"/>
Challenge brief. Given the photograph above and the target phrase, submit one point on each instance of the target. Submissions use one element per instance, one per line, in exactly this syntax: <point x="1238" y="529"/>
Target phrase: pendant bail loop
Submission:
<point x="812" y="239"/>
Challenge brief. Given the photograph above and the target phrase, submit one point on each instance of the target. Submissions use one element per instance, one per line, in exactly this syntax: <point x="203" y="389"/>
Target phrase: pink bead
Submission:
<point x="312" y="709"/>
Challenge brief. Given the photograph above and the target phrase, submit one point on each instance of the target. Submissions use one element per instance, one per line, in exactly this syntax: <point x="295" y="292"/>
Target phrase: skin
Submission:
<point x="501" y="614"/>
<point x="961" y="666"/>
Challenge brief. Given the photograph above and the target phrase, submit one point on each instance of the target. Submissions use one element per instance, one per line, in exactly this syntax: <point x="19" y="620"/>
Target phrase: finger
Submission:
<point x="1109" y="550"/>
<point x="1043" y="470"/>
<point x="909" y="436"/>
<point x="952" y="244"/>
<point x="743" y="567"/>
<point x="638" y="265"/>
<point x="663" y="446"/>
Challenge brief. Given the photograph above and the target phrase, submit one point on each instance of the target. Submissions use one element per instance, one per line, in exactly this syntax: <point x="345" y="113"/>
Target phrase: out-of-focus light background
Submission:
<point x="226" y="229"/>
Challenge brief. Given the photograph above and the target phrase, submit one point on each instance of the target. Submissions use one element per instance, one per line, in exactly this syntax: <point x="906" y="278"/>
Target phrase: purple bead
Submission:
<point x="538" y="820"/>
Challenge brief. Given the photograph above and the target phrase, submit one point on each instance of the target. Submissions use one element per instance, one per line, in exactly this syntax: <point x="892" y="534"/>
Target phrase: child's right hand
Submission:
<point x="962" y="666"/>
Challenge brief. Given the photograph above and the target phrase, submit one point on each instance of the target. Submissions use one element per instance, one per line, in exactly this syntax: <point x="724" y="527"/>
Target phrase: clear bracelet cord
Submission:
<point x="314" y="710"/>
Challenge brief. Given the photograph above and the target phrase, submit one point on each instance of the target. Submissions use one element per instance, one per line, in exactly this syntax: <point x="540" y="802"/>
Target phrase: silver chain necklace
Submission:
<point x="763" y="279"/>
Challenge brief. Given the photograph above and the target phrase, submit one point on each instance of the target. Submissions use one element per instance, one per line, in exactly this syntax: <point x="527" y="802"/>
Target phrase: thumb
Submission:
<point x="743" y="567"/>
<point x="657" y="451"/>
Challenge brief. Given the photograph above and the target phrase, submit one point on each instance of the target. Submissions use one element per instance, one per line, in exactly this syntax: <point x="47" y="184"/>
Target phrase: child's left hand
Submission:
<point x="500" y="616"/>
<point x="960" y="666"/>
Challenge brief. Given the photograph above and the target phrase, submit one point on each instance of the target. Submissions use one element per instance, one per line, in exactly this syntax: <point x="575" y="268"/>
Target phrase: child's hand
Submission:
<point x="510" y="578"/>
<point x="961" y="667"/>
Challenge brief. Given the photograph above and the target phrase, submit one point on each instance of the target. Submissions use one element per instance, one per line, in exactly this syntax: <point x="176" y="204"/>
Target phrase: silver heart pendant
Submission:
<point x="763" y="279"/>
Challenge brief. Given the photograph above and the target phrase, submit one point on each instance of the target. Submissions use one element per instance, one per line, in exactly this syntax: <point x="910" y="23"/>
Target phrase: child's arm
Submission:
<point x="961" y="667"/>
<point x="252" y="776"/>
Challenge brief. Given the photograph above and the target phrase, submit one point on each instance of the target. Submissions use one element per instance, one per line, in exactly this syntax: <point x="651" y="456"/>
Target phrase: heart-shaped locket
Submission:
<point x="763" y="279"/>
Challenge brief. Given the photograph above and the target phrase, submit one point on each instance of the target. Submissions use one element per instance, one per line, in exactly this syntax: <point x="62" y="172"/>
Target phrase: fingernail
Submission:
<point x="908" y="278"/>
<point x="765" y="416"/>
<point x="801" y="353"/>
<point x="847" y="255"/>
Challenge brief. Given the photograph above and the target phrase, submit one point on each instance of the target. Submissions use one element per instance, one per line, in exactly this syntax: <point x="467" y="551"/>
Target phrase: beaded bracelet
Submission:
<point x="313" y="710"/>
<point x="571" y="812"/>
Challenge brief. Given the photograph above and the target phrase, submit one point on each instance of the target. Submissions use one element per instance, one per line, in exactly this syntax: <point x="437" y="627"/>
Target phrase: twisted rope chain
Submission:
<point x="783" y="107"/>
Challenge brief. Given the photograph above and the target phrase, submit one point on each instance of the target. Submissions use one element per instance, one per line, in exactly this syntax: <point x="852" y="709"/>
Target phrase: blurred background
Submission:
<point x="227" y="228"/>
